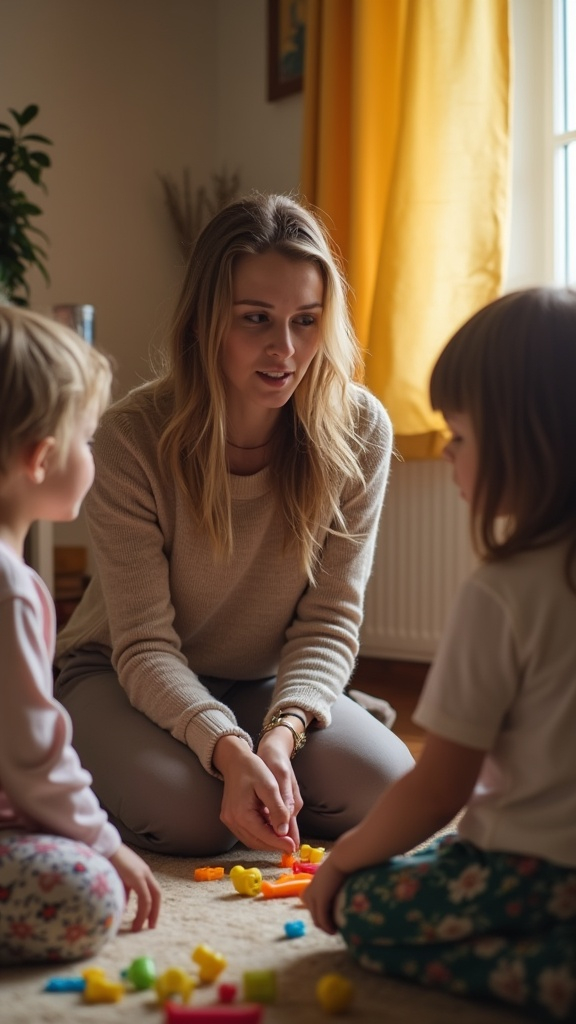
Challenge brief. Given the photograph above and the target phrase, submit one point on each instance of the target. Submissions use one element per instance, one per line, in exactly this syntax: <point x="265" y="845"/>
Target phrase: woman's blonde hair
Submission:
<point x="47" y="375"/>
<point x="317" y="450"/>
<point x="512" y="369"/>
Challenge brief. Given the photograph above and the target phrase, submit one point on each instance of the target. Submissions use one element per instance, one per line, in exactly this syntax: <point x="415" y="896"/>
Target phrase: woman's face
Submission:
<point x="275" y="329"/>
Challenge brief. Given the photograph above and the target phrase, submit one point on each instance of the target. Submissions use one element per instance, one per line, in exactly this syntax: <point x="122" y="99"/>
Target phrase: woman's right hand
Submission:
<point x="252" y="806"/>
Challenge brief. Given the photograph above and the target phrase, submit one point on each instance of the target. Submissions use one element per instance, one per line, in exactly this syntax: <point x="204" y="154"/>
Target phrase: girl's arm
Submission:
<point x="408" y="813"/>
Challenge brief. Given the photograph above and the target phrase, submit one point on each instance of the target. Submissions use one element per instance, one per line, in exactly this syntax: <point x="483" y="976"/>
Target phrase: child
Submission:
<point x="64" y="874"/>
<point x="491" y="910"/>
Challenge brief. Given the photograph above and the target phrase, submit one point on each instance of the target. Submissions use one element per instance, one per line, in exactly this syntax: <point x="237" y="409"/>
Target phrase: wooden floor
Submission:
<point x="400" y="683"/>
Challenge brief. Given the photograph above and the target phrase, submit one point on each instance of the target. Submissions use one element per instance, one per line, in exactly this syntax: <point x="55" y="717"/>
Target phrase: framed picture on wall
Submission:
<point x="286" y="41"/>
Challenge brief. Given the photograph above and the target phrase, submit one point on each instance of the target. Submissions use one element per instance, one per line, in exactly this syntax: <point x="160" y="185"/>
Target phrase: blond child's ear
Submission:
<point x="37" y="458"/>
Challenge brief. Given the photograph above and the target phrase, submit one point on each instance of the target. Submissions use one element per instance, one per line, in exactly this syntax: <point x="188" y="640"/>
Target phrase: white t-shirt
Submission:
<point x="504" y="681"/>
<point x="42" y="784"/>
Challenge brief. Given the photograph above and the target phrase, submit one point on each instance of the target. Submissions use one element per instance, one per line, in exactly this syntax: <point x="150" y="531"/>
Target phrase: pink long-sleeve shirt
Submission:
<point x="43" y="787"/>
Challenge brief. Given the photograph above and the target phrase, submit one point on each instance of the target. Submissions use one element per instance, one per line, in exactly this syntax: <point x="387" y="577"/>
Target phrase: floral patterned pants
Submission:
<point x="59" y="900"/>
<point x="488" y="925"/>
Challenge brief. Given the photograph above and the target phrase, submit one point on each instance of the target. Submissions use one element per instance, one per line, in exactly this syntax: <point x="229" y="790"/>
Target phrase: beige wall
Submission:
<point x="127" y="89"/>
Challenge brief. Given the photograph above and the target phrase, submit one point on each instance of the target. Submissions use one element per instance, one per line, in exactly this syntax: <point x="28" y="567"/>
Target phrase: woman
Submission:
<point x="233" y="521"/>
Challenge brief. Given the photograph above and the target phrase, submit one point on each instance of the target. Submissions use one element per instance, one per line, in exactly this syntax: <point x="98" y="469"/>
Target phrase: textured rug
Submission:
<point x="250" y="934"/>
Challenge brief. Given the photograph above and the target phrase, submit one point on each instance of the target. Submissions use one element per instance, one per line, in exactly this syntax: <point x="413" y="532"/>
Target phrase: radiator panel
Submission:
<point x="422" y="556"/>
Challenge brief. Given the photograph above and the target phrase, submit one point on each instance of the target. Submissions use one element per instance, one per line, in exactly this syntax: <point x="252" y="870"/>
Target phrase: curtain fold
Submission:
<point x="406" y="155"/>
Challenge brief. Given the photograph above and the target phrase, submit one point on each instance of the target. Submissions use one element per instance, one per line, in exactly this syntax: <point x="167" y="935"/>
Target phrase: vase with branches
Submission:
<point x="189" y="211"/>
<point x="22" y="154"/>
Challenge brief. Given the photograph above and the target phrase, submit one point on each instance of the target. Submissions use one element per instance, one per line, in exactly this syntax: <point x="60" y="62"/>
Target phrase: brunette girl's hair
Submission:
<point x="47" y="376"/>
<point x="317" y="448"/>
<point x="512" y="369"/>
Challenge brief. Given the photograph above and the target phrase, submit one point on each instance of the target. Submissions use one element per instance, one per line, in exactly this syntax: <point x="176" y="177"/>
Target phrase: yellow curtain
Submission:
<point x="406" y="155"/>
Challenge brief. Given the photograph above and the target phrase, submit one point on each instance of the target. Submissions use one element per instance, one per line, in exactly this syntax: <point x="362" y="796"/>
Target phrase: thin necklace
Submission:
<point x="248" y="448"/>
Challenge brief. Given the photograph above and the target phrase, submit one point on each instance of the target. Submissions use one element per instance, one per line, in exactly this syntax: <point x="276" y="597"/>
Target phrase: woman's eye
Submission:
<point x="306" y="321"/>
<point x="256" y="318"/>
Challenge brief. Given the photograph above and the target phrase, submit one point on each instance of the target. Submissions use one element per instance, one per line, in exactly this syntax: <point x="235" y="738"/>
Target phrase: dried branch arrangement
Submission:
<point x="189" y="211"/>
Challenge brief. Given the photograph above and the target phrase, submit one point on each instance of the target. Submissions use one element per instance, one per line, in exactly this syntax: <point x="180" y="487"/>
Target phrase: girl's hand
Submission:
<point x="137" y="877"/>
<point x="319" y="896"/>
<point x="253" y="806"/>
<point x="275" y="749"/>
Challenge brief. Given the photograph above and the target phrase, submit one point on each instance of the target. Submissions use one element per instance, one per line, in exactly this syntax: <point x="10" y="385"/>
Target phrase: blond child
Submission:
<point x="64" y="873"/>
<point x="490" y="911"/>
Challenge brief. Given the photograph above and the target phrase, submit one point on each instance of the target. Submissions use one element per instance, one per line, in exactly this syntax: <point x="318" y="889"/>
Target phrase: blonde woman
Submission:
<point x="233" y="524"/>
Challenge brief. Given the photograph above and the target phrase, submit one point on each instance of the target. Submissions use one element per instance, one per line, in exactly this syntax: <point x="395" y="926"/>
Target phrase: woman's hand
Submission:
<point x="254" y="807"/>
<point x="138" y="878"/>
<point x="275" y="749"/>
<point x="319" y="896"/>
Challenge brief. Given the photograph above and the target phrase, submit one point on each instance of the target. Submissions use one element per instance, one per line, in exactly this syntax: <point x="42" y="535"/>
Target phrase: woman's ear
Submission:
<point x="37" y="457"/>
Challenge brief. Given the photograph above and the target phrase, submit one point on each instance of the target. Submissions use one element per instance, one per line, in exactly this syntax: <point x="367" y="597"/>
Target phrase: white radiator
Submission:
<point x="422" y="555"/>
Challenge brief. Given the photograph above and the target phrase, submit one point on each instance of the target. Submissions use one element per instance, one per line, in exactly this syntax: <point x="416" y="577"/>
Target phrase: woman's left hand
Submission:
<point x="319" y="896"/>
<point x="274" y="749"/>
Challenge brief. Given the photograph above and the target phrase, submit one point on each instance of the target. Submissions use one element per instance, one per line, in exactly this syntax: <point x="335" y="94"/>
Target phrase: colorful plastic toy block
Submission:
<point x="174" y="982"/>
<point x="99" y="988"/>
<point x="334" y="992"/>
<point x="141" y="973"/>
<point x="211" y="964"/>
<point x="260" y="986"/>
<point x="212" y="1014"/>
<point x="305" y="869"/>
<point x="314" y="854"/>
<point x="227" y="992"/>
<point x="65" y="985"/>
<point x="287" y="860"/>
<point x="292" y="887"/>
<point x="294" y="929"/>
<point x="246" y="881"/>
<point x="208" y="874"/>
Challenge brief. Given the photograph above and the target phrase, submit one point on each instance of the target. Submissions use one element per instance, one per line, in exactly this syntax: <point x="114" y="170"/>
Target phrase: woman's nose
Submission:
<point x="280" y="341"/>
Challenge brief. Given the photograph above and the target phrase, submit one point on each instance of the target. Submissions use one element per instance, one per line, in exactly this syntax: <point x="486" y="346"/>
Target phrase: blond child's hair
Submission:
<point x="48" y="374"/>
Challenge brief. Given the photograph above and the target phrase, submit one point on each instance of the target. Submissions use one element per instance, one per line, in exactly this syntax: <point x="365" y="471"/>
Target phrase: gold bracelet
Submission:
<point x="298" y="737"/>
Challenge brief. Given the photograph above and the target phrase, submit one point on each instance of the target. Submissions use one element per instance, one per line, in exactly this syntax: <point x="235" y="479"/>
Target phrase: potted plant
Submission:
<point x="19" y="251"/>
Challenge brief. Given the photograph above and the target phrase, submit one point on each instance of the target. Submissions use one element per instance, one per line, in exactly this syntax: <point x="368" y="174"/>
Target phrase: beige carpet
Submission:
<point x="250" y="934"/>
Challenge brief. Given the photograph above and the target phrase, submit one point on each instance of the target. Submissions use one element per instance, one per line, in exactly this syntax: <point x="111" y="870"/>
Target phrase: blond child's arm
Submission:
<point x="408" y="813"/>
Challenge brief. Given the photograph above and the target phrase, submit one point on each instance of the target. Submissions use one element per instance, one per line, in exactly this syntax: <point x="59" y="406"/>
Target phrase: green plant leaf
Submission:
<point x="37" y="138"/>
<point x="27" y="115"/>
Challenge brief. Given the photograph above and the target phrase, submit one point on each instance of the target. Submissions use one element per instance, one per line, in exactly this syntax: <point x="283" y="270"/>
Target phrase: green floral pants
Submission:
<point x="484" y="925"/>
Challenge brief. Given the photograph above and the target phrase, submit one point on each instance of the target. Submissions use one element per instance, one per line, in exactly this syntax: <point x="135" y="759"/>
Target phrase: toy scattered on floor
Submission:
<point x="246" y="881"/>
<point x="294" y="929"/>
<point x="211" y="964"/>
<point x="176" y="1014"/>
<point x="313" y="854"/>
<point x="208" y="874"/>
<point x="260" y="986"/>
<point x="65" y="985"/>
<point x="227" y="992"/>
<point x="287" y="860"/>
<point x="141" y="973"/>
<point x="174" y="982"/>
<point x="306" y="868"/>
<point x="99" y="988"/>
<point x="334" y="992"/>
<point x="294" y="885"/>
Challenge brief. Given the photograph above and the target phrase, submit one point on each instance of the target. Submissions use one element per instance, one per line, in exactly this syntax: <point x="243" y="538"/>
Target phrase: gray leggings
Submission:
<point x="160" y="797"/>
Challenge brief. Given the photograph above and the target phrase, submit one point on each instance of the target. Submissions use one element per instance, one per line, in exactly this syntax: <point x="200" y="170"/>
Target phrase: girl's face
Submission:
<point x="66" y="485"/>
<point x="274" y="332"/>
<point x="462" y="452"/>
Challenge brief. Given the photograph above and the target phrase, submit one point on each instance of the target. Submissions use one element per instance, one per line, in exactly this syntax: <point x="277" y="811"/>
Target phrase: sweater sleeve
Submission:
<point x="44" y="786"/>
<point x="322" y="641"/>
<point x="130" y="546"/>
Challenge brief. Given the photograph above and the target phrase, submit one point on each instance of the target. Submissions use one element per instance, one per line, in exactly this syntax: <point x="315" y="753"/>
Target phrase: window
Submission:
<point x="564" y="140"/>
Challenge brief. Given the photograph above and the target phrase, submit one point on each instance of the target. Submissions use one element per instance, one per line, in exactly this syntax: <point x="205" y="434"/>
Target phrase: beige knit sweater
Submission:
<point x="167" y="611"/>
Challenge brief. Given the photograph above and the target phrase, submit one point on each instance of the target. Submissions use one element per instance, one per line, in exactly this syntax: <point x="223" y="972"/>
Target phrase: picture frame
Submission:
<point x="286" y="47"/>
